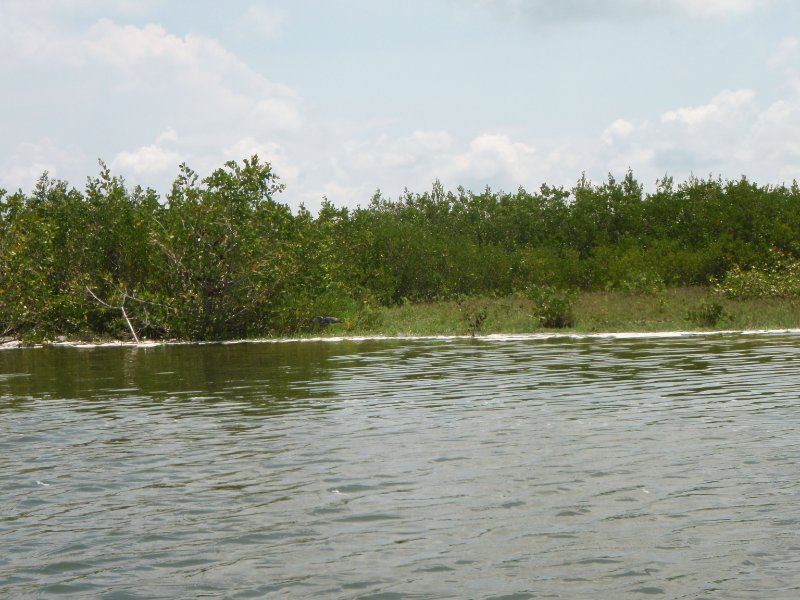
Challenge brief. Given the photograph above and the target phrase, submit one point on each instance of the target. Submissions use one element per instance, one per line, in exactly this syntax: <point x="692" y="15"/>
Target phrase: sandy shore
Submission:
<point x="11" y="344"/>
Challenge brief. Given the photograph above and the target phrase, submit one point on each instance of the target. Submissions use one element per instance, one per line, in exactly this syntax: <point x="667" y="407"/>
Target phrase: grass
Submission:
<point x="683" y="309"/>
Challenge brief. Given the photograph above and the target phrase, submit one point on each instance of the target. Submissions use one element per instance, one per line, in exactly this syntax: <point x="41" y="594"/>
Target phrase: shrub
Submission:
<point x="473" y="314"/>
<point x="645" y="282"/>
<point x="780" y="280"/>
<point x="554" y="307"/>
<point x="368" y="317"/>
<point x="708" y="314"/>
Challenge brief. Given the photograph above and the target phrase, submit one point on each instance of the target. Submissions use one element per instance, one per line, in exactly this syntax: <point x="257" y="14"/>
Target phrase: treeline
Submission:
<point x="220" y="257"/>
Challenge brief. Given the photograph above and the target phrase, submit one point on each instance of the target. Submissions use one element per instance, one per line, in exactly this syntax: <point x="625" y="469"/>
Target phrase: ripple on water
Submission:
<point x="499" y="468"/>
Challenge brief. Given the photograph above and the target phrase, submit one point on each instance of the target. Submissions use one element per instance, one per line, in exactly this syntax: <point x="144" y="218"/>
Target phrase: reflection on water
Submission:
<point x="431" y="469"/>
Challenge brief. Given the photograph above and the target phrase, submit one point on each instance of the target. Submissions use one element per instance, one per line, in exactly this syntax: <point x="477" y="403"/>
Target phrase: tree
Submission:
<point x="228" y="250"/>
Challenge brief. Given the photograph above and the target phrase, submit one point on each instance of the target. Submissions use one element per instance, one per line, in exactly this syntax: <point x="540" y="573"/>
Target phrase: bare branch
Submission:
<point x="128" y="321"/>
<point x="120" y="308"/>
<point x="106" y="304"/>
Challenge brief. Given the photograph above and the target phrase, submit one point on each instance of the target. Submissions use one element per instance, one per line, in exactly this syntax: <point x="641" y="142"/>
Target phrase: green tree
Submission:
<point x="228" y="247"/>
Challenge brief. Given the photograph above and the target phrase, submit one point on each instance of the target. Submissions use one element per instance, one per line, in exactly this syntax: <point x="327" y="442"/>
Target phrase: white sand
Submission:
<point x="501" y="337"/>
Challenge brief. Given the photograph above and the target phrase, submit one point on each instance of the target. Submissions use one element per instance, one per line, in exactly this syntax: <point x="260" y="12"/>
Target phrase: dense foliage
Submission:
<point x="778" y="278"/>
<point x="220" y="257"/>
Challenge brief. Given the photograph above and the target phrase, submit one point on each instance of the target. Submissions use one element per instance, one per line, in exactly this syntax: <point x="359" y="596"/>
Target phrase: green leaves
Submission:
<point x="223" y="244"/>
<point x="554" y="307"/>
<point x="220" y="257"/>
<point x="778" y="278"/>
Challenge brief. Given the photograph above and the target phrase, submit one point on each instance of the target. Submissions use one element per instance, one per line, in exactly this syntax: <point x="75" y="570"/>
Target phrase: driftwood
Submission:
<point x="120" y="308"/>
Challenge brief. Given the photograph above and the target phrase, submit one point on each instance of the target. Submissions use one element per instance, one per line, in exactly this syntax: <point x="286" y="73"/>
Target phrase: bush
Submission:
<point x="368" y="317"/>
<point x="643" y="283"/>
<point x="473" y="313"/>
<point x="780" y="280"/>
<point x="554" y="307"/>
<point x="708" y="314"/>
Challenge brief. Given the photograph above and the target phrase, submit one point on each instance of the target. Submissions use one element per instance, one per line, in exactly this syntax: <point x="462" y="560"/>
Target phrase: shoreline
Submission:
<point x="490" y="337"/>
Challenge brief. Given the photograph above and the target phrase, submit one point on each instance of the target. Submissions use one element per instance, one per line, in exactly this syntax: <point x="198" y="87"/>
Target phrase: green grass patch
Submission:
<point x="682" y="309"/>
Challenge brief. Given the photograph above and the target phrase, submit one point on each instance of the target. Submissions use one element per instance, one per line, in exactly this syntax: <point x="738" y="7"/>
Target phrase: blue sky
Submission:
<point x="347" y="96"/>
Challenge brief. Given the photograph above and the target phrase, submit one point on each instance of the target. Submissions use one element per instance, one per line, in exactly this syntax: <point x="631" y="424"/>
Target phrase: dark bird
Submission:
<point x="320" y="320"/>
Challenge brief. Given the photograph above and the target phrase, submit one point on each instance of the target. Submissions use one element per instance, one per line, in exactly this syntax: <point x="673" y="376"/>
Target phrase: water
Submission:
<point x="595" y="468"/>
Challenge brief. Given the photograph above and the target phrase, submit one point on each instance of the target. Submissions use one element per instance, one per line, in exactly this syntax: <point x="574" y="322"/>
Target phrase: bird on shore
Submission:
<point x="320" y="320"/>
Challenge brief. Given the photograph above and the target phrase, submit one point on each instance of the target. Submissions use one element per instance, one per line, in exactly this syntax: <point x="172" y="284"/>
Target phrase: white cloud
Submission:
<point x="265" y="21"/>
<point x="339" y="194"/>
<point x="542" y="12"/>
<point x="618" y="130"/>
<point x="276" y="113"/>
<point x="24" y="39"/>
<point x="717" y="8"/>
<point x="26" y="163"/>
<point x="91" y="6"/>
<point x="168" y="135"/>
<point x="152" y="159"/>
<point x="272" y="152"/>
<point x="22" y="176"/>
<point x="787" y="58"/>
<point x="409" y="156"/>
<point x="194" y="76"/>
<point x="158" y="83"/>
<point x="417" y="159"/>
<point x="147" y="160"/>
<point x="428" y="141"/>
<point x="150" y="99"/>
<point x="493" y="156"/>
<point x="730" y="135"/>
<point x="122" y="46"/>
<point x="196" y="70"/>
<point x="409" y="152"/>
<point x="725" y="106"/>
<point x="788" y="53"/>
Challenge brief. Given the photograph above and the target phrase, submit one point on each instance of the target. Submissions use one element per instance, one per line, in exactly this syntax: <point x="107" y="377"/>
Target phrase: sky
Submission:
<point x="346" y="97"/>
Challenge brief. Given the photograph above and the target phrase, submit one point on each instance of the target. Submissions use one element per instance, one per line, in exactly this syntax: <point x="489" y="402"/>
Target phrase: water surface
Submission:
<point x="595" y="468"/>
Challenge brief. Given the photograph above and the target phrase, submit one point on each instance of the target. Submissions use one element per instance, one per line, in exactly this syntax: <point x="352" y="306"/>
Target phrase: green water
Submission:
<point x="595" y="468"/>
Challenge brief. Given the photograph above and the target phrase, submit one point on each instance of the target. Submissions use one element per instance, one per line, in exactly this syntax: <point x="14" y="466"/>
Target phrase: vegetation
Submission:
<point x="221" y="257"/>
<point x="593" y="312"/>
<point x="776" y="278"/>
